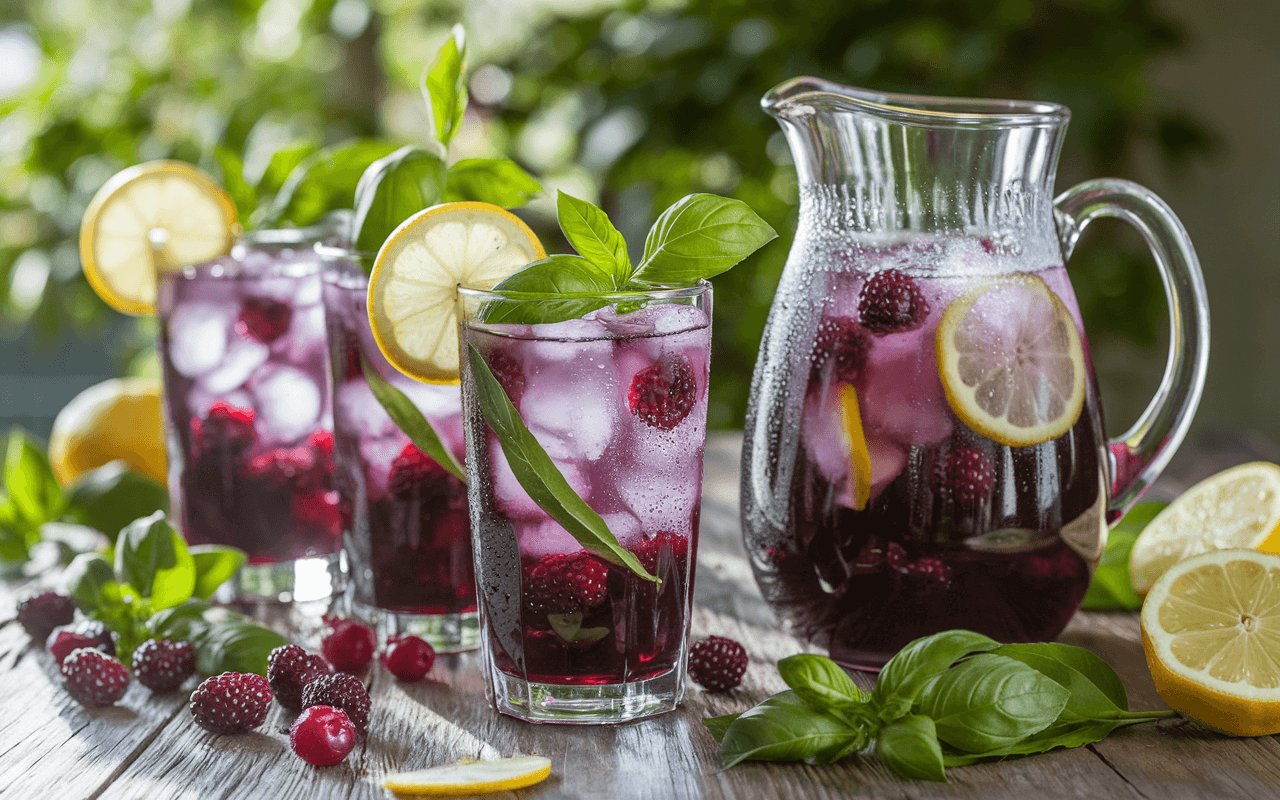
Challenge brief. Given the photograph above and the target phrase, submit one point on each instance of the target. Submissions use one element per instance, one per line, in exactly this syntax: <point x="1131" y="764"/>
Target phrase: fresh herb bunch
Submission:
<point x="947" y="700"/>
<point x="158" y="586"/>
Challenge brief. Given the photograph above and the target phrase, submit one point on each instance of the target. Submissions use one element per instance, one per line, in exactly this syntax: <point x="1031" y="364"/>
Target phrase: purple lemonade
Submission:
<point x="618" y="401"/>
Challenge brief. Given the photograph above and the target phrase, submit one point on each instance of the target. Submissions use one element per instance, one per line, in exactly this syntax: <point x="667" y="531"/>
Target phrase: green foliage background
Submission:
<point x="631" y="104"/>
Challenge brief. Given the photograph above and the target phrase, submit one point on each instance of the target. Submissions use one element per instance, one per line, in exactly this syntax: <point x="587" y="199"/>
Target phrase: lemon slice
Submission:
<point x="469" y="777"/>
<point x="1011" y="361"/>
<point x="119" y="418"/>
<point x="413" y="289"/>
<point x="1211" y="634"/>
<point x="1237" y="508"/>
<point x="153" y="216"/>
<point x="859" y="455"/>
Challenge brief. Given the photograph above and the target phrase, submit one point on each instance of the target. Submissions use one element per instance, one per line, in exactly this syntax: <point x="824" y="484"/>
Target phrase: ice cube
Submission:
<point x="544" y="537"/>
<point x="377" y="453"/>
<point x="661" y="487"/>
<point x="288" y="404"/>
<point x="511" y="497"/>
<point x="200" y="399"/>
<point x="359" y="411"/>
<point x="624" y="527"/>
<point x="827" y="444"/>
<point x="673" y="318"/>
<point x="570" y="340"/>
<point x="306" y="335"/>
<point x="903" y="399"/>
<point x="243" y="356"/>
<point x="571" y="406"/>
<point x="198" y="336"/>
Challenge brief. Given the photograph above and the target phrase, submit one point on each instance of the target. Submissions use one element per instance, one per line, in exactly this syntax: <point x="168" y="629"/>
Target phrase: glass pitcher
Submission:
<point x="924" y="447"/>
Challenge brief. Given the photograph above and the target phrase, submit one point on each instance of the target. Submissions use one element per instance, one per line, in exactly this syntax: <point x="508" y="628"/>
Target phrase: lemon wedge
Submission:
<point x="116" y="419"/>
<point x="153" y="216"/>
<point x="1011" y="361"/>
<point x="413" y="289"/>
<point x="859" y="455"/>
<point x="1236" y="508"/>
<point x="1211" y="634"/>
<point x="468" y="777"/>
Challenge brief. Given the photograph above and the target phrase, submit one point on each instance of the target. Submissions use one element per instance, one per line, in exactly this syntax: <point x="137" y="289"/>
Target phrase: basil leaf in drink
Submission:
<point x="444" y="87"/>
<point x="490" y="180"/>
<point x="393" y="189"/>
<point x="566" y="287"/>
<point x="242" y="194"/>
<point x="719" y="725"/>
<point x="569" y="628"/>
<point x="410" y="421"/>
<point x="785" y="728"/>
<point x="700" y="236"/>
<point x="909" y="746"/>
<point x="33" y="490"/>
<point x="215" y="565"/>
<point x="1111" y="587"/>
<point x="91" y="582"/>
<point x="820" y="682"/>
<point x="153" y="559"/>
<point x="538" y="474"/>
<point x="324" y="182"/>
<point x="112" y="496"/>
<point x="591" y="233"/>
<point x="905" y="675"/>
<point x="991" y="701"/>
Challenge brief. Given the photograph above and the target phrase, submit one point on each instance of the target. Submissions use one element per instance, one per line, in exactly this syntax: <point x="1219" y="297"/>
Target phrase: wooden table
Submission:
<point x="148" y="747"/>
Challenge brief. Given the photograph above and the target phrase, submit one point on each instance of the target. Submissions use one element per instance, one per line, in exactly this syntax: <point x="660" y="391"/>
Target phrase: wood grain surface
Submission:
<point x="148" y="747"/>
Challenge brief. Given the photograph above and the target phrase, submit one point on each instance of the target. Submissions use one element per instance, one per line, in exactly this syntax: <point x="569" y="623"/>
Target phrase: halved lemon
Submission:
<point x="1236" y="508"/>
<point x="859" y="455"/>
<point x="413" y="289"/>
<point x="468" y="777"/>
<point x="1011" y="361"/>
<point x="118" y="418"/>
<point x="1211" y="634"/>
<point x="150" y="217"/>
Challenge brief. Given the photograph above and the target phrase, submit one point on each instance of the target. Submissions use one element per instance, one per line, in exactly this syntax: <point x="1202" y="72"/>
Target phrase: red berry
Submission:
<point x="263" y="319"/>
<point x="40" y="614"/>
<point x="286" y="466"/>
<point x="322" y="443"/>
<point x="650" y="550"/>
<point x="349" y="645"/>
<point x="94" y="678"/>
<point x="224" y="426"/>
<point x="562" y="583"/>
<point x="930" y="569"/>
<point x="162" y="665"/>
<point x="289" y="670"/>
<point x="663" y="394"/>
<point x="340" y="690"/>
<point x="717" y="663"/>
<point x="842" y="345"/>
<point x="895" y="555"/>
<point x="966" y="474"/>
<point x="317" y="509"/>
<point x="87" y="633"/>
<point x="233" y="702"/>
<point x="413" y="471"/>
<point x="891" y="302"/>
<point x="322" y="735"/>
<point x="409" y="658"/>
<point x="507" y="370"/>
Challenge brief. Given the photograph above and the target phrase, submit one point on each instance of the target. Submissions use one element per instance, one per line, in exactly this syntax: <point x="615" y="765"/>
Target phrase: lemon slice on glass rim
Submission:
<point x="161" y="215"/>
<point x="413" y="288"/>
<point x="1011" y="361"/>
<point x="468" y="777"/>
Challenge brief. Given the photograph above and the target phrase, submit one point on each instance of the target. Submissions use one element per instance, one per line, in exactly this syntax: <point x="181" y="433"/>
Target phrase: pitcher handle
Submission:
<point x="1140" y="454"/>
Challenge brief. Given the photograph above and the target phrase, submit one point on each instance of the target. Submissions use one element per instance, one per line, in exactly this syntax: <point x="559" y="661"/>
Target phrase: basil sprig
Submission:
<point x="947" y="700"/>
<point x="409" y="419"/>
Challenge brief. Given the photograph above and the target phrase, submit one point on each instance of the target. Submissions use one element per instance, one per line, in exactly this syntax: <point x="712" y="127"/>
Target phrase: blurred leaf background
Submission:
<point x="629" y="104"/>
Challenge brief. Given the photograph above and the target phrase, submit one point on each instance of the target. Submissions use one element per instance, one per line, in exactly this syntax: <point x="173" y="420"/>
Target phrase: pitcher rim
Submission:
<point x="797" y="97"/>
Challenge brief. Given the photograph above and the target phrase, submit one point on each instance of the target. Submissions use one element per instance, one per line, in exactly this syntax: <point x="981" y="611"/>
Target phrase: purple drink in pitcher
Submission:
<point x="618" y="401"/>
<point x="242" y="344"/>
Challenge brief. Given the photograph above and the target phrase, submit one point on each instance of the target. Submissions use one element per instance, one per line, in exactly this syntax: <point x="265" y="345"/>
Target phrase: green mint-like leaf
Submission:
<point x="591" y="233"/>
<point x="990" y="702"/>
<point x="1111" y="587"/>
<point x="112" y="496"/>
<point x="182" y="623"/>
<point x="719" y="726"/>
<point x="569" y="628"/>
<point x="699" y="237"/>
<point x="490" y="180"/>
<point x="242" y="194"/>
<point x="1096" y="690"/>
<point x="1059" y="734"/>
<point x="785" y="728"/>
<point x="410" y="421"/>
<point x="153" y="559"/>
<point x="820" y="682"/>
<point x="444" y="87"/>
<point x="567" y="287"/>
<point x="282" y="164"/>
<point x="909" y="746"/>
<point x="324" y="182"/>
<point x="919" y="662"/>
<point x="91" y="582"/>
<point x="393" y="189"/>
<point x="235" y="644"/>
<point x="215" y="565"/>
<point x="538" y="474"/>
<point x="33" y="490"/>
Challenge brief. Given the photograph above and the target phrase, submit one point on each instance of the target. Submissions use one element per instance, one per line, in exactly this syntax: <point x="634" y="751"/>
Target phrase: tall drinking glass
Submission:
<point x="618" y="400"/>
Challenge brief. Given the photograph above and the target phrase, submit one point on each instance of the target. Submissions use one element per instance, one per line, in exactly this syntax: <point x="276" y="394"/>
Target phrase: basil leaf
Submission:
<point x="283" y="162"/>
<point x="215" y="564"/>
<point x="410" y="421"/>
<point x="1068" y="735"/>
<point x="33" y="490"/>
<point x="1111" y="587"/>
<point x="785" y="728"/>
<point x="242" y="194"/>
<point x="444" y="87"/>
<point x="153" y="559"/>
<point x="324" y="182"/>
<point x="393" y="189"/>
<point x="490" y="180"/>
<point x="562" y="286"/>
<point x="237" y="645"/>
<point x="902" y="679"/>
<point x="1096" y="690"/>
<point x="591" y="233"/>
<point x="569" y="628"/>
<point x="112" y="496"/>
<point x="909" y="746"/>
<point x="538" y="474"/>
<point x="991" y="701"/>
<point x="182" y="623"/>
<point x="820" y="682"/>
<point x="17" y="536"/>
<point x="701" y="236"/>
<point x="719" y="725"/>
<point x="91" y="582"/>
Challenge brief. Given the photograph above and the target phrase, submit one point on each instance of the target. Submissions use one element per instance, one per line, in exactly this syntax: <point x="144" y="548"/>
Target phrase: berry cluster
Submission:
<point x="562" y="583"/>
<point x="663" y="394"/>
